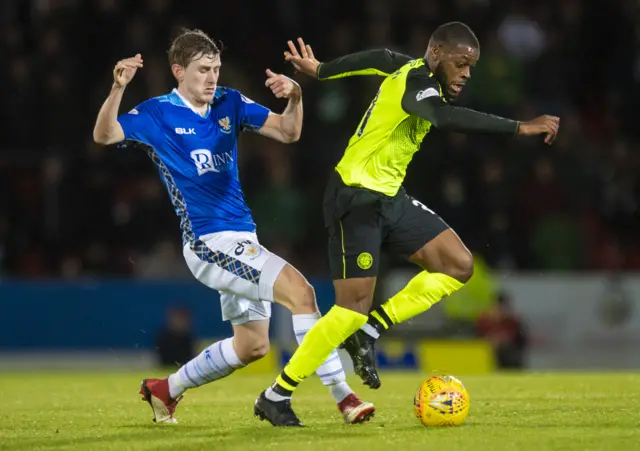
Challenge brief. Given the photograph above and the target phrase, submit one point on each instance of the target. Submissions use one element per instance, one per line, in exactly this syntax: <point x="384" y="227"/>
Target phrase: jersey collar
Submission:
<point x="182" y="101"/>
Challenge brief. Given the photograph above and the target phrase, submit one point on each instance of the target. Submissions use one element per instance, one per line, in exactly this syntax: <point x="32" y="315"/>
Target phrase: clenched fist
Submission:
<point x="283" y="87"/>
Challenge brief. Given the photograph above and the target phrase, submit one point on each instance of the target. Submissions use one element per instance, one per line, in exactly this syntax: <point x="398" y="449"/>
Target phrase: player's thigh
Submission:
<point x="424" y="238"/>
<point x="354" y="224"/>
<point x="446" y="254"/>
<point x="412" y="226"/>
<point x="234" y="263"/>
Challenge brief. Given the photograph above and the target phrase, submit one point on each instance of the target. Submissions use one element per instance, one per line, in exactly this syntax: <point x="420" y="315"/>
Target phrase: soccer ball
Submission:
<point x="441" y="401"/>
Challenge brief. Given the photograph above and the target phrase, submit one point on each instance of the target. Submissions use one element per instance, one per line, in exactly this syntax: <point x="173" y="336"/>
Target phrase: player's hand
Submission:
<point x="304" y="61"/>
<point x="283" y="87"/>
<point x="548" y="125"/>
<point x="125" y="70"/>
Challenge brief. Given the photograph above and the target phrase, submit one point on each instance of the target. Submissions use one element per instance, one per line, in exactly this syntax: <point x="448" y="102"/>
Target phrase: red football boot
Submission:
<point x="156" y="393"/>
<point x="356" y="411"/>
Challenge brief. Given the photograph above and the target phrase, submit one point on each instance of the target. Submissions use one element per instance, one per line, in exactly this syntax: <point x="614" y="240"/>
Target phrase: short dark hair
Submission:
<point x="454" y="33"/>
<point x="191" y="44"/>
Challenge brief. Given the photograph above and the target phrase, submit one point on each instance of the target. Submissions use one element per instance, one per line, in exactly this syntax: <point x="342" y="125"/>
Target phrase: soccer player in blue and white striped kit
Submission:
<point x="191" y="135"/>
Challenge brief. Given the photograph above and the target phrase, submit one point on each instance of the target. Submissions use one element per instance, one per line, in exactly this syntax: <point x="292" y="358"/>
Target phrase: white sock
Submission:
<point x="370" y="330"/>
<point x="217" y="361"/>
<point x="330" y="372"/>
<point x="273" y="396"/>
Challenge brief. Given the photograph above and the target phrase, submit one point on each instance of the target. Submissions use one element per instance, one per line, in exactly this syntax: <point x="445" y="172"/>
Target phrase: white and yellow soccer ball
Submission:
<point x="441" y="401"/>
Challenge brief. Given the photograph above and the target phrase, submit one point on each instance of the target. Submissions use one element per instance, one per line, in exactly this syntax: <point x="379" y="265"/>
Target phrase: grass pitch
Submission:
<point x="102" y="411"/>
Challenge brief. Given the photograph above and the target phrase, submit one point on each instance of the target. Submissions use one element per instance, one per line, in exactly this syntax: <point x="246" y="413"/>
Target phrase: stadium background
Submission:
<point x="90" y="252"/>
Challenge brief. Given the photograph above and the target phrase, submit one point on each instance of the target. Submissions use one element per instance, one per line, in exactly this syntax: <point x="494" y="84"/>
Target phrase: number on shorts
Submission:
<point x="367" y="115"/>
<point x="419" y="204"/>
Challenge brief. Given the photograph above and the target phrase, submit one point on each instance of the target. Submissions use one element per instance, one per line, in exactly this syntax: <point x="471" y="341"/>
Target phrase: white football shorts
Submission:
<point x="237" y="266"/>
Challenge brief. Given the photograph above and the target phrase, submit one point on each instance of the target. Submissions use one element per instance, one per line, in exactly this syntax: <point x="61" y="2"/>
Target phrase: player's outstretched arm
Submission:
<point x="107" y="129"/>
<point x="285" y="127"/>
<point x="369" y="62"/>
<point x="422" y="98"/>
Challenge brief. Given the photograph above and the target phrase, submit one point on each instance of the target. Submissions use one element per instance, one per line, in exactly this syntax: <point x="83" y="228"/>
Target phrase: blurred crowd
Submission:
<point x="69" y="208"/>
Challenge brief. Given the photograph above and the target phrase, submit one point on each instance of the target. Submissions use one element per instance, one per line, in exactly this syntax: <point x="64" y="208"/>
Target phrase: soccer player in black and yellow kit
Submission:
<point x="365" y="204"/>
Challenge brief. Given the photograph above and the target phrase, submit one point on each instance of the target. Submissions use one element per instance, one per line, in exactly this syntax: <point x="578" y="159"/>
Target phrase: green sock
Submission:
<point x="418" y="296"/>
<point x="325" y="336"/>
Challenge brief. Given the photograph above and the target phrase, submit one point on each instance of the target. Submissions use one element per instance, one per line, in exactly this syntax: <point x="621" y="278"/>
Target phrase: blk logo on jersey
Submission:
<point x="185" y="131"/>
<point x="207" y="162"/>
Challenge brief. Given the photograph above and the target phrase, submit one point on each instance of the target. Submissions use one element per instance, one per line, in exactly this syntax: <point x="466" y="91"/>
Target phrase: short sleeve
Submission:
<point x="252" y="115"/>
<point x="138" y="123"/>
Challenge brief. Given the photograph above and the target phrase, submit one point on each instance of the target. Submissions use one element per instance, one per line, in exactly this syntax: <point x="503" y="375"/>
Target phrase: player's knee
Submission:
<point x="460" y="266"/>
<point x="303" y="297"/>
<point x="294" y="292"/>
<point x="259" y="350"/>
<point x="253" y="351"/>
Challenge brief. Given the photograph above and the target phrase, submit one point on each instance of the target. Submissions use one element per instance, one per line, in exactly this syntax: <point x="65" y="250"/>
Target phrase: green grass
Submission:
<point x="93" y="411"/>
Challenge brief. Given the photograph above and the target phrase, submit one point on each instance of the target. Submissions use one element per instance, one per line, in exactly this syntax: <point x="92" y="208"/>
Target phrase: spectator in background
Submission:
<point x="498" y="83"/>
<point x="506" y="332"/>
<point x="163" y="261"/>
<point x="546" y="221"/>
<point x="279" y="208"/>
<point x="175" y="343"/>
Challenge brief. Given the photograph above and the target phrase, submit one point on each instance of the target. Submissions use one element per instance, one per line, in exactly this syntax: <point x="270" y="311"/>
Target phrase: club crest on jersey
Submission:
<point x="205" y="161"/>
<point x="225" y="124"/>
<point x="365" y="260"/>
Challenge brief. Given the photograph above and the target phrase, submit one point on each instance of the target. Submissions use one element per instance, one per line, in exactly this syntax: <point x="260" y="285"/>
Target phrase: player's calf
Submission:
<point x="355" y="293"/>
<point x="217" y="361"/>
<point x="251" y="340"/>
